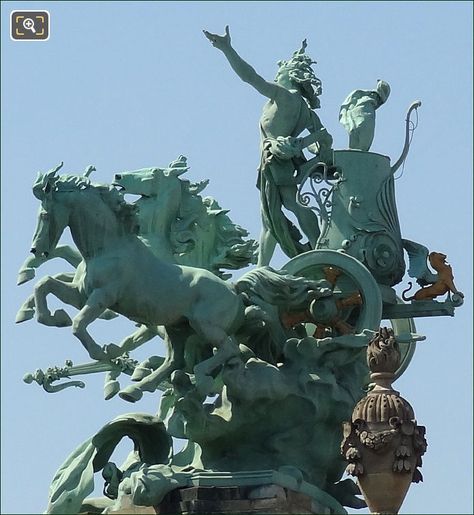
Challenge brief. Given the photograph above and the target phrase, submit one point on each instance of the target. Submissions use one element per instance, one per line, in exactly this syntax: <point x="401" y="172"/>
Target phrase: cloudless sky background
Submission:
<point x="126" y="85"/>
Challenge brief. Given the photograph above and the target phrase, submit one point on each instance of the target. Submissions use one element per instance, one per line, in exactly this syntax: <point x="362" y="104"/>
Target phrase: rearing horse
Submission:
<point x="123" y="274"/>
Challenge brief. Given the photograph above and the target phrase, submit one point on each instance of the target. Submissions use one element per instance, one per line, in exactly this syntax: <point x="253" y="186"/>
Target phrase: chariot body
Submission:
<point x="361" y="249"/>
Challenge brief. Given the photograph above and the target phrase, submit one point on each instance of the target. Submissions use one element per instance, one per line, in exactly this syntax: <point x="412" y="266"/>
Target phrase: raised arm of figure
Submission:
<point x="242" y="68"/>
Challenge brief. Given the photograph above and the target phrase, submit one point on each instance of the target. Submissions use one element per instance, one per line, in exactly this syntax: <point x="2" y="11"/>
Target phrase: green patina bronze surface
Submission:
<point x="292" y="97"/>
<point x="357" y="114"/>
<point x="259" y="371"/>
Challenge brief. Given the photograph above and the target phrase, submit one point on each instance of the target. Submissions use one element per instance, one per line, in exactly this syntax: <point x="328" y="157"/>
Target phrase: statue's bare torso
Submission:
<point x="286" y="115"/>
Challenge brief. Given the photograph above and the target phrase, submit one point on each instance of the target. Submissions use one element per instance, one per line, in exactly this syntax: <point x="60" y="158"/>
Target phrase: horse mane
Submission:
<point x="71" y="182"/>
<point x="233" y="250"/>
<point x="126" y="213"/>
<point x="229" y="250"/>
<point x="276" y="287"/>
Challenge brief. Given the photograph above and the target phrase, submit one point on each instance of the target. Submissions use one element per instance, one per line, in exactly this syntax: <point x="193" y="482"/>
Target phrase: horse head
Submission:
<point x="72" y="199"/>
<point x="45" y="182"/>
<point x="179" y="224"/>
<point x="49" y="226"/>
<point x="151" y="182"/>
<point x="160" y="191"/>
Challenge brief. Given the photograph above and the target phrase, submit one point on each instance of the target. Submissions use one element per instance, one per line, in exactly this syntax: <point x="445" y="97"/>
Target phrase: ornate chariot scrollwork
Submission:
<point x="321" y="183"/>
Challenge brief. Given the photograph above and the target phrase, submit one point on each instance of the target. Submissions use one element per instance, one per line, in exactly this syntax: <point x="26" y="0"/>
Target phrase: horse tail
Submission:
<point x="410" y="284"/>
<point x="275" y="287"/>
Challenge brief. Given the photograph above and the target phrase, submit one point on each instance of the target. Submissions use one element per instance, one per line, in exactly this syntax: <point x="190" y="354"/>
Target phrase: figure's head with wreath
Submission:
<point x="299" y="73"/>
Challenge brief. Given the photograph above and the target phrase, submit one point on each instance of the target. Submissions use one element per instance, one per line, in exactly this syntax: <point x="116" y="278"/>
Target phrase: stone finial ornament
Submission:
<point x="383" y="443"/>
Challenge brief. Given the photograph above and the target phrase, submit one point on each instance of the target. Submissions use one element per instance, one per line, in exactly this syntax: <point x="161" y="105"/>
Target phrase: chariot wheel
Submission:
<point x="356" y="303"/>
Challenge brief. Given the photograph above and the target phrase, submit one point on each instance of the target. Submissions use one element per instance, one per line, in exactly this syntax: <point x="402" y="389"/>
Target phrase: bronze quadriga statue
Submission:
<point x="260" y="372"/>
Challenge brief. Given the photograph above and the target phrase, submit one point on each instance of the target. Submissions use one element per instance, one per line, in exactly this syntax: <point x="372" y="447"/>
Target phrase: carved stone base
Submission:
<point x="239" y="499"/>
<point x="128" y="508"/>
<point x="244" y="492"/>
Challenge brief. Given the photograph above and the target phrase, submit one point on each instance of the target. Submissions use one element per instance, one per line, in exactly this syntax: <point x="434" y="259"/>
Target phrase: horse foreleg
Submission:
<point x="175" y="341"/>
<point x="27" y="309"/>
<point x="27" y="269"/>
<point x="95" y="305"/>
<point x="64" y="291"/>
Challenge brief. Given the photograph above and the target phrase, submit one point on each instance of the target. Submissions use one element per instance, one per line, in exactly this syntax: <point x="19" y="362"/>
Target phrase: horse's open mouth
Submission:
<point x="122" y="189"/>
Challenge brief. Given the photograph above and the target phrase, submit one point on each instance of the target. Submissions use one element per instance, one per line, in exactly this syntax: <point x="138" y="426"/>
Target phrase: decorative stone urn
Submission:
<point x="383" y="443"/>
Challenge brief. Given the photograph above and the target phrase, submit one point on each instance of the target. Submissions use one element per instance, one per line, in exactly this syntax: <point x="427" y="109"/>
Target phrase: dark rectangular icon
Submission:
<point x="29" y="25"/>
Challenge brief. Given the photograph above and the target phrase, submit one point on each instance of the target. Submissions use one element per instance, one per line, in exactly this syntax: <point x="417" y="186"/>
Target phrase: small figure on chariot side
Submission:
<point x="357" y="114"/>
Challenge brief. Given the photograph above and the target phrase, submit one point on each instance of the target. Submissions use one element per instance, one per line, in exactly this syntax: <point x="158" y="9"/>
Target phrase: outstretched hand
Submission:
<point x="220" y="42"/>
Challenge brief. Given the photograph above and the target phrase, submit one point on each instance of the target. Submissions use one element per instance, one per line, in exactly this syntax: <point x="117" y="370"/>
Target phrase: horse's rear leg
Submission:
<point x="175" y="340"/>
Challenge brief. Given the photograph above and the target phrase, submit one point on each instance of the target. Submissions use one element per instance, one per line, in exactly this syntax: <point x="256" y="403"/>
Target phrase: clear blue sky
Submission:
<point x="125" y="85"/>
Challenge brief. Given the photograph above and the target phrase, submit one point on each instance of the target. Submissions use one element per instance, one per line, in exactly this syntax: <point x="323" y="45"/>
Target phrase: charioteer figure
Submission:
<point x="292" y="98"/>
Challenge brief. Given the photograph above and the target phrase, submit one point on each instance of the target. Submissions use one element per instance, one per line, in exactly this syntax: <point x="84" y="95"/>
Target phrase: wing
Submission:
<point x="418" y="259"/>
<point x="346" y="112"/>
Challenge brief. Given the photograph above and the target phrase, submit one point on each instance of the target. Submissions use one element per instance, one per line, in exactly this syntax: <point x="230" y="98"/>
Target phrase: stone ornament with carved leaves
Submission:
<point x="383" y="443"/>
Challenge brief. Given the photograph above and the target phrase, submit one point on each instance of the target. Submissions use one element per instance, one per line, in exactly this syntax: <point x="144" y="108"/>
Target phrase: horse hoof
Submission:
<point x="111" y="389"/>
<point x="140" y="373"/>
<point x="61" y="318"/>
<point x="131" y="394"/>
<point x="25" y="275"/>
<point x="24" y="314"/>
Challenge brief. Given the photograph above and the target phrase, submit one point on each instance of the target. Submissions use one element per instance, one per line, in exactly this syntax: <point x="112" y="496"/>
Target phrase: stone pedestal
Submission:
<point x="244" y="492"/>
<point x="239" y="500"/>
